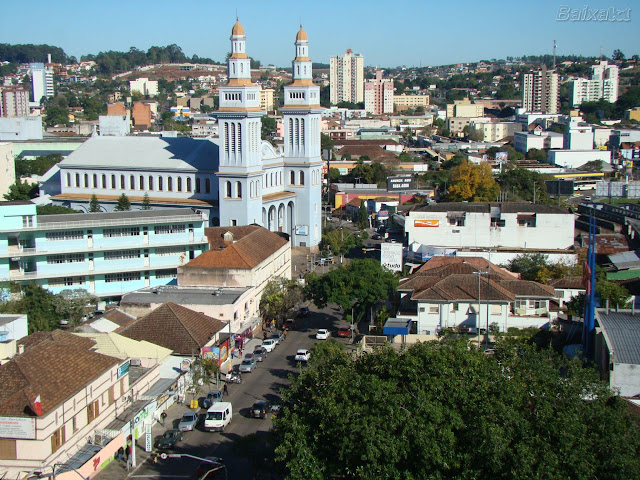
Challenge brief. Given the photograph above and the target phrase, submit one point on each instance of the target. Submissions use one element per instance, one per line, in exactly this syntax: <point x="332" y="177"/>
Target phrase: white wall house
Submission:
<point x="491" y="225"/>
<point x="577" y="158"/>
<point x="523" y="141"/>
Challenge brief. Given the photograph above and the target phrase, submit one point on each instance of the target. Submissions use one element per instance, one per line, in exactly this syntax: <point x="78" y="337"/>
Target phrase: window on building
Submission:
<point x="95" y="181"/>
<point x="434" y="308"/>
<point x="93" y="410"/>
<point x="197" y="185"/>
<point x="150" y="183"/>
<point x="168" y="273"/>
<point x="169" y="184"/>
<point x="141" y="182"/>
<point x="160" y="184"/>
<point x="104" y="181"/>
<point x="169" y="251"/>
<point x="121" y="232"/>
<point x="86" y="180"/>
<point x="179" y="184"/>
<point x="132" y="182"/>
<point x="57" y="439"/>
<point x="169" y="229"/>
<point x="122" y="277"/>
<point x="456" y="220"/>
<point x="27" y="221"/>
<point x="454" y="307"/>
<point x="65" y="258"/>
<point x="112" y="396"/>
<point x="188" y="184"/>
<point x="113" y="181"/>
<point x="238" y="190"/>
<point x="292" y="178"/>
<point x="77" y="179"/>
<point x="64" y="235"/>
<point x="68" y="179"/>
<point x="66" y="281"/>
<point x="526" y="220"/>
<point x="496" y="309"/>
<point x="121" y="254"/>
<point x="207" y="186"/>
<point x="122" y="185"/>
<point x="227" y="189"/>
<point x="8" y="449"/>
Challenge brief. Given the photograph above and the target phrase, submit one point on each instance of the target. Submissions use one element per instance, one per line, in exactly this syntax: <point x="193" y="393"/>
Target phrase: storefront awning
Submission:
<point x="396" y="326"/>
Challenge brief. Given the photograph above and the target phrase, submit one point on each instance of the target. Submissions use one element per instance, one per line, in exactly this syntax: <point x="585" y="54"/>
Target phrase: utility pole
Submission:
<point x="554" y="54"/>
<point x="479" y="273"/>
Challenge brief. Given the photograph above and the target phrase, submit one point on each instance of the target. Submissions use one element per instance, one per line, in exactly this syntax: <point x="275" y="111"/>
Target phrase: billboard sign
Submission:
<point x="400" y="182"/>
<point x="383" y="214"/>
<point x="391" y="256"/>
<point x="18" y="427"/>
<point x="302" y="230"/>
<point x="560" y="187"/>
<point x="502" y="157"/>
<point x="123" y="369"/>
<point x="426" y="223"/>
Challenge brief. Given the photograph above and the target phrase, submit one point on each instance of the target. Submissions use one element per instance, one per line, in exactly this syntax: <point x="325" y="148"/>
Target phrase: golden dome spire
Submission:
<point x="237" y="29"/>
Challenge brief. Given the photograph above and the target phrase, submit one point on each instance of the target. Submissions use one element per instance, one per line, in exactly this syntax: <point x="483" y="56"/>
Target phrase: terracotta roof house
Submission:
<point x="470" y="293"/>
<point x="56" y="391"/>
<point x="183" y="331"/>
<point x="567" y="288"/>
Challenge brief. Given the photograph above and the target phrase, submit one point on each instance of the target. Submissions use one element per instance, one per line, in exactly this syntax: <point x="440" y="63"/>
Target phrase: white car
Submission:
<point x="269" y="344"/>
<point x="322" y="334"/>
<point x="303" y="355"/>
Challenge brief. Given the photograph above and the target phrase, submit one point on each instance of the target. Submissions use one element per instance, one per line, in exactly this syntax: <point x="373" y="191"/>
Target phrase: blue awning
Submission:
<point x="396" y="326"/>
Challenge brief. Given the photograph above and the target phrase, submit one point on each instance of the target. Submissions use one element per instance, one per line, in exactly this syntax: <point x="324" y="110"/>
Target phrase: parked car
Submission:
<point x="259" y="353"/>
<point x="376" y="236"/>
<point x="214" y="396"/>
<point x="248" y="356"/>
<point x="302" y="355"/>
<point x="322" y="334"/>
<point x="344" y="332"/>
<point x="168" y="439"/>
<point x="278" y="337"/>
<point x="188" y="422"/>
<point x="248" y="365"/>
<point x="260" y="409"/>
<point x="289" y="324"/>
<point x="269" y="344"/>
<point x="304" y="312"/>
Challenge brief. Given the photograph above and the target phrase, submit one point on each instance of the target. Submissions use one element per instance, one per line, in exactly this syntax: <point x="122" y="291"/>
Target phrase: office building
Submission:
<point x="540" y="91"/>
<point x="346" y="78"/>
<point x="603" y="85"/>
<point x="14" y="102"/>
<point x="107" y="254"/>
<point x="144" y="86"/>
<point x="378" y="95"/>
<point x="41" y="81"/>
<point x="405" y="102"/>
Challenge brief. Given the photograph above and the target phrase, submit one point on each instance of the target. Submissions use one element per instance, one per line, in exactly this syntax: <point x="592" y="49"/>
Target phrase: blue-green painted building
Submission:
<point x="107" y="254"/>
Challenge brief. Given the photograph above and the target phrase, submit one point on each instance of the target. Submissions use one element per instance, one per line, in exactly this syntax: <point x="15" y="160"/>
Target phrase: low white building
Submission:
<point x="494" y="131"/>
<point x="577" y="158"/>
<point x="523" y="141"/>
<point x="495" y="226"/>
<point x="471" y="294"/>
<point x="578" y="135"/>
<point x="144" y="86"/>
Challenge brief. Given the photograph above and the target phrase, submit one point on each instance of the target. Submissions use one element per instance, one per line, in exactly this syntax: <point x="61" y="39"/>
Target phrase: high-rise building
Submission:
<point x="14" y="102"/>
<point x="378" y="95"/>
<point x="603" y="85"/>
<point x="144" y="86"/>
<point x="41" y="81"/>
<point x="346" y="78"/>
<point x="540" y="91"/>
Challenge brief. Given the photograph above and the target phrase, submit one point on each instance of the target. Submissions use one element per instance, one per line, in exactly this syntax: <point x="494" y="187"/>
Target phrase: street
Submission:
<point x="241" y="455"/>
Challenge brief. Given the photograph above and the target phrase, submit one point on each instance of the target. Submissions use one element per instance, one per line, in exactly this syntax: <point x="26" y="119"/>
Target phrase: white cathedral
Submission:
<point x="237" y="179"/>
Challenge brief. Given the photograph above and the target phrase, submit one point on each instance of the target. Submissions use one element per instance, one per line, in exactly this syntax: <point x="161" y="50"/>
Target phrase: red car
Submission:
<point x="344" y="332"/>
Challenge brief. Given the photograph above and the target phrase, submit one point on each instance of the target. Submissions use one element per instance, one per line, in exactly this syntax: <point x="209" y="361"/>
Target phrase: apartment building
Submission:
<point x="346" y="78"/>
<point x="603" y="85"/>
<point x="41" y="81"/>
<point x="524" y="141"/>
<point x="540" y="91"/>
<point x="378" y="95"/>
<point x="144" y="86"/>
<point x="14" y="102"/>
<point x="494" y="131"/>
<point x="464" y="108"/>
<point x="107" y="254"/>
<point x="266" y="99"/>
<point x="405" y="102"/>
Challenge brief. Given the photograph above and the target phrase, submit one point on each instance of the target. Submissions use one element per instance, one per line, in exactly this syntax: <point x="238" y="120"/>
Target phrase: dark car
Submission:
<point x="259" y="353"/>
<point x="168" y="440"/>
<point x="344" y="332"/>
<point x="304" y="311"/>
<point x="376" y="236"/>
<point x="289" y="324"/>
<point x="260" y="409"/>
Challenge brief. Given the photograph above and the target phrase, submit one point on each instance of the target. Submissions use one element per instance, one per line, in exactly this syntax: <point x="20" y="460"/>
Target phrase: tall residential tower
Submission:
<point x="346" y="78"/>
<point x="540" y="91"/>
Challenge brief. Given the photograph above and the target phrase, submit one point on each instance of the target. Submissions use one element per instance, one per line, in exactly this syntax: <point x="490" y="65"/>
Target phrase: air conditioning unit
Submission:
<point x="135" y="362"/>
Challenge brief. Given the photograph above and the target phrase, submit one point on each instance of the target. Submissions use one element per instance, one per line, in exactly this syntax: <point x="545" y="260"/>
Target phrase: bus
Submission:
<point x="579" y="185"/>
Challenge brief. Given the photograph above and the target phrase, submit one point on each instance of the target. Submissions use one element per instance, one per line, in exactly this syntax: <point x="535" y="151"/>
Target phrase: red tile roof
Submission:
<point x="175" y="327"/>
<point x="57" y="369"/>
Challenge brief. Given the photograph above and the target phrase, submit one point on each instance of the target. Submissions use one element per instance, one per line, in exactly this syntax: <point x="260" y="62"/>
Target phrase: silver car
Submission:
<point x="259" y="353"/>
<point x="188" y="422"/>
<point x="248" y="365"/>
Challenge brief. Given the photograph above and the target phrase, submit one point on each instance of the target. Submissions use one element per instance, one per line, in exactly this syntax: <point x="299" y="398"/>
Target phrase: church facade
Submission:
<point x="236" y="179"/>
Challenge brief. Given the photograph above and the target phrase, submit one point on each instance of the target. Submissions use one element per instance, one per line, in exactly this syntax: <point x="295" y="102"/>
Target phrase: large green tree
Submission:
<point x="279" y="299"/>
<point x="21" y="191"/>
<point x="444" y="411"/>
<point x="123" y="203"/>
<point x="473" y="183"/>
<point x="40" y="305"/>
<point x="360" y="285"/>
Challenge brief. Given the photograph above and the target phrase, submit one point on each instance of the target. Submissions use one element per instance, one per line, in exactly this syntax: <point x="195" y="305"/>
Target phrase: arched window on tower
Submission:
<point x="179" y="184"/>
<point x="104" y="181"/>
<point x="150" y="183"/>
<point x="95" y="180"/>
<point x="160" y="184"/>
<point x="141" y="182"/>
<point x="68" y="179"/>
<point x="207" y="186"/>
<point x="271" y="179"/>
<point x="77" y="179"/>
<point x="292" y="178"/>
<point x="122" y="186"/>
<point x="113" y="181"/>
<point x="169" y="184"/>
<point x="132" y="182"/>
<point x="301" y="177"/>
<point x="227" y="189"/>
<point x="238" y="190"/>
<point x="197" y="185"/>
<point x="188" y="184"/>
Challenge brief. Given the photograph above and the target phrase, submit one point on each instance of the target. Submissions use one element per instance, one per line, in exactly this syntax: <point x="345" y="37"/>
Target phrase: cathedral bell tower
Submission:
<point x="301" y="115"/>
<point x="240" y="161"/>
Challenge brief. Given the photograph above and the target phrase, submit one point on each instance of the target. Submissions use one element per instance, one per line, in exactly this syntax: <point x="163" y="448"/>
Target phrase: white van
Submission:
<point x="218" y="416"/>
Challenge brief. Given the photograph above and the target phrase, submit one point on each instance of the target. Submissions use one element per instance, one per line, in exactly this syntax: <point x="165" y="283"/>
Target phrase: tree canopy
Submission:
<point x="474" y="183"/>
<point x="279" y="299"/>
<point x="21" y="191"/>
<point x="123" y="203"/>
<point x="444" y="411"/>
<point x="38" y="166"/>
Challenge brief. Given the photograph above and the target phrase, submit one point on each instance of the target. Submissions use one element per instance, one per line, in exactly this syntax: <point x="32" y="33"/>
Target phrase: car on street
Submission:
<point x="302" y="355"/>
<point x="218" y="416"/>
<point x="344" y="332"/>
<point x="214" y="396"/>
<point x="248" y="365"/>
<point x="376" y="236"/>
<point x="248" y="356"/>
<point x="188" y="422"/>
<point x="259" y="353"/>
<point x="322" y="334"/>
<point x="269" y="344"/>
<point x="289" y="324"/>
<point x="168" y="439"/>
<point x="304" y="312"/>
<point x="260" y="409"/>
<point x="278" y="337"/>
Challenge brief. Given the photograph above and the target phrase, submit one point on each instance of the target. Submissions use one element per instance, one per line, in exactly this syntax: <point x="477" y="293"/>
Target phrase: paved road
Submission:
<point x="263" y="383"/>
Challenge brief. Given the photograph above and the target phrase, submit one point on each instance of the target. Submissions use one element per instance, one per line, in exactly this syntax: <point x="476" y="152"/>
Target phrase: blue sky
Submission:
<point x="387" y="33"/>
